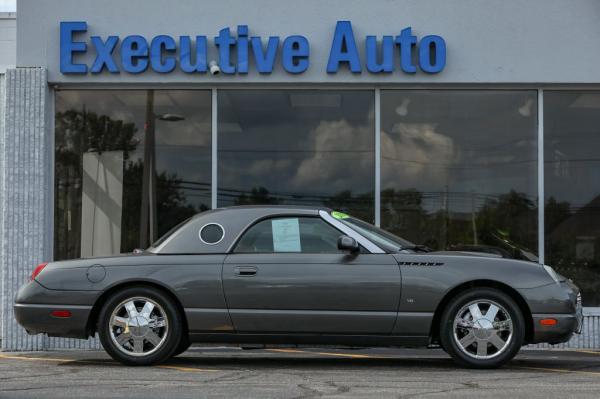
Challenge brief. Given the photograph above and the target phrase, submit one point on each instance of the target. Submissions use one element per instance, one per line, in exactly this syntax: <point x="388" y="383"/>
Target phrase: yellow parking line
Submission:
<point x="62" y="360"/>
<point x="287" y="350"/>
<point x="350" y="355"/>
<point x="187" y="369"/>
<point x="48" y="359"/>
<point x="586" y="351"/>
<point x="595" y="373"/>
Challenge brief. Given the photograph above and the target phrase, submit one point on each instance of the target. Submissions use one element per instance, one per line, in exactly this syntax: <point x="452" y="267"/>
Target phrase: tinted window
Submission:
<point x="572" y="188"/>
<point x="305" y="235"/>
<point x="459" y="169"/>
<point x="130" y="165"/>
<point x="300" y="147"/>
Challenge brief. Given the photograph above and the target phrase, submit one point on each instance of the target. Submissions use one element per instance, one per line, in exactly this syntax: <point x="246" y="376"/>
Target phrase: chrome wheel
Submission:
<point x="483" y="329"/>
<point x="138" y="326"/>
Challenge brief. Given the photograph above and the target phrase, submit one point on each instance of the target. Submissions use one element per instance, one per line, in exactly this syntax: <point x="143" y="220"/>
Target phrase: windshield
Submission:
<point x="380" y="237"/>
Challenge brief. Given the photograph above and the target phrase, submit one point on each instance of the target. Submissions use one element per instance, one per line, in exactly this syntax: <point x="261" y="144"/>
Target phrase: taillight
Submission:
<point x="38" y="269"/>
<point x="63" y="314"/>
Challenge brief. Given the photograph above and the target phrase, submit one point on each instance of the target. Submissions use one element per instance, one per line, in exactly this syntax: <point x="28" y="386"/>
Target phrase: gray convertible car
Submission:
<point x="299" y="276"/>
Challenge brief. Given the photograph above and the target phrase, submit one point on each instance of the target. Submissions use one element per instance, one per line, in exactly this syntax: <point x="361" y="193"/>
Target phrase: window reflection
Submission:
<point x="305" y="147"/>
<point x="459" y="169"/>
<point x="130" y="164"/>
<point x="572" y="187"/>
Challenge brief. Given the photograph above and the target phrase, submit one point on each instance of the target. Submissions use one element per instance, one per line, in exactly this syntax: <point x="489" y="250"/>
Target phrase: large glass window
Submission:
<point x="572" y="187"/>
<point x="129" y="165"/>
<point x="304" y="147"/>
<point x="459" y="169"/>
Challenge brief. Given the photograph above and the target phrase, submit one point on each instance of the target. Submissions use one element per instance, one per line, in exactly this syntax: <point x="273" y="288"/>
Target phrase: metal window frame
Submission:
<point x="377" y="129"/>
<point x="377" y="195"/>
<point x="541" y="192"/>
<point x="214" y="148"/>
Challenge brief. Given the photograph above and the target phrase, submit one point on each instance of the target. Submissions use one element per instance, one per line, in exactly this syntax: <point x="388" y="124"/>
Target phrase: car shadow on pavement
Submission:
<point x="549" y="361"/>
<point x="268" y="362"/>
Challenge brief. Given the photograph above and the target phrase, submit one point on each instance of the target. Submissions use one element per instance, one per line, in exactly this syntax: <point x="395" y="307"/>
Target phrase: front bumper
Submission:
<point x="562" y="331"/>
<point x="569" y="315"/>
<point x="34" y="305"/>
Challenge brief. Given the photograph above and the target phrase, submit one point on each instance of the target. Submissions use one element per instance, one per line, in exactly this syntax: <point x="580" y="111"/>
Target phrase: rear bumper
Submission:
<point x="34" y="305"/>
<point x="37" y="319"/>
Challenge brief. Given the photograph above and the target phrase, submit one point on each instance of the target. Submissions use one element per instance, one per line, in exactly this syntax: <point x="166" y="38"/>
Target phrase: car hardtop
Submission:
<point x="234" y="220"/>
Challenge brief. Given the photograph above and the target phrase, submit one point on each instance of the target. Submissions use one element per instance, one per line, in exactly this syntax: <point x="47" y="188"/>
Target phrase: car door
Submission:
<point x="286" y="275"/>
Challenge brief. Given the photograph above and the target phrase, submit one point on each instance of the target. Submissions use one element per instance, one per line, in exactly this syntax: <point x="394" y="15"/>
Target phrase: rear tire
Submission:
<point x="482" y="328"/>
<point x="140" y="326"/>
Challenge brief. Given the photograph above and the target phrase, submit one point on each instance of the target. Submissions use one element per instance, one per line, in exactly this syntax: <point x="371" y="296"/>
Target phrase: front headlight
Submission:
<point x="552" y="273"/>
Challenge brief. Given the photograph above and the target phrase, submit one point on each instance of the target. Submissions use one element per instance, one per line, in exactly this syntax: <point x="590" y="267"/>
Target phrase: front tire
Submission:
<point x="184" y="345"/>
<point x="482" y="328"/>
<point x="140" y="326"/>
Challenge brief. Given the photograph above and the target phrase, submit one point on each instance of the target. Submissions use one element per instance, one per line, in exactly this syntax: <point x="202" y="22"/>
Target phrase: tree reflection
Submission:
<point x="80" y="132"/>
<point x="360" y="205"/>
<point x="572" y="236"/>
<point x="504" y="225"/>
<point x="172" y="205"/>
<point x="510" y="222"/>
<point x="256" y="196"/>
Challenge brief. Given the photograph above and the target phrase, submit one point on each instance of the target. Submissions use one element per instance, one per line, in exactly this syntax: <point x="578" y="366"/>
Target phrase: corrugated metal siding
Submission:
<point x="25" y="191"/>
<point x="26" y="203"/>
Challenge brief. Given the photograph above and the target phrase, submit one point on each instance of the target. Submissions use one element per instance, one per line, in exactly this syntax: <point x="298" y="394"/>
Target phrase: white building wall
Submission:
<point x="8" y="40"/>
<point x="499" y="42"/>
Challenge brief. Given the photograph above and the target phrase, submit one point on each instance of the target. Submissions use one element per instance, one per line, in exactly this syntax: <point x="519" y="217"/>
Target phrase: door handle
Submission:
<point x="245" y="271"/>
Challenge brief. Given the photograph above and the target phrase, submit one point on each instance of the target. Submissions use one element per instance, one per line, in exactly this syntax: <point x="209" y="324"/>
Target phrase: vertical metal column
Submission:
<point x="378" y="157"/>
<point x="148" y="209"/>
<point x="541" y="194"/>
<point x="214" y="163"/>
<point x="26" y="190"/>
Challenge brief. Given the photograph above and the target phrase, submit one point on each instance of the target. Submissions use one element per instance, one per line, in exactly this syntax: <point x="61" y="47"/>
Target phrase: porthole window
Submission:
<point x="211" y="233"/>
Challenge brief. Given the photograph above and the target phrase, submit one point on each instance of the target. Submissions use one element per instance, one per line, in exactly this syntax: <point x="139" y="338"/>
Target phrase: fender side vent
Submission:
<point x="420" y="263"/>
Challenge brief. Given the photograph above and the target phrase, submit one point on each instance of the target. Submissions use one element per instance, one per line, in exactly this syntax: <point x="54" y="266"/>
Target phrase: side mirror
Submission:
<point x="346" y="243"/>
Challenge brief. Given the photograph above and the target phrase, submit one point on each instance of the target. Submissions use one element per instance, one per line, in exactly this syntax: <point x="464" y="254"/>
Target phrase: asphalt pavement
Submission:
<point x="218" y="372"/>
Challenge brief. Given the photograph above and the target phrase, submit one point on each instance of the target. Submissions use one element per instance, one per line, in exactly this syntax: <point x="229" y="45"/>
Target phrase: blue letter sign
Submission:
<point x="343" y="49"/>
<point x="68" y="47"/>
<point x="240" y="54"/>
